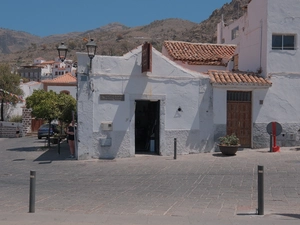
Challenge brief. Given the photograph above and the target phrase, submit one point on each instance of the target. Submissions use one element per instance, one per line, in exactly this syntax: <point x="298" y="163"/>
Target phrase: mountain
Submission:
<point x="19" y="48"/>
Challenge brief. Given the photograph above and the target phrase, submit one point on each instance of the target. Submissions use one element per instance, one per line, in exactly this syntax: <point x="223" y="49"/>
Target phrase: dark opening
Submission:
<point x="147" y="126"/>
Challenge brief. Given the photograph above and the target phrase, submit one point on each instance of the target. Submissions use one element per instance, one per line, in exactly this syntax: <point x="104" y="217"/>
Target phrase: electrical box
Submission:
<point x="107" y="125"/>
<point x="105" y="142"/>
<point x="291" y="136"/>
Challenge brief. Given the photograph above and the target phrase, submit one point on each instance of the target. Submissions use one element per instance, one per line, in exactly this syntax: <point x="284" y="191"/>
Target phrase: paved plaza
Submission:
<point x="206" y="188"/>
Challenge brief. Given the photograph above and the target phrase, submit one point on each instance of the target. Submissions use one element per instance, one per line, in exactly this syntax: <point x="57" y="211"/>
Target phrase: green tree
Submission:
<point x="44" y="105"/>
<point x="67" y="105"/>
<point x="51" y="106"/>
<point x="10" y="86"/>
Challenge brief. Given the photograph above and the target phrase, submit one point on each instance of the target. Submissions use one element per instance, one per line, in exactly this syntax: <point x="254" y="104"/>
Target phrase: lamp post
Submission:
<point x="62" y="52"/>
<point x="91" y="50"/>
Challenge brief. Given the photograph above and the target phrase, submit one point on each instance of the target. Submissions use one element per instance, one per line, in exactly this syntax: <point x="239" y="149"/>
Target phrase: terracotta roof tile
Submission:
<point x="48" y="62"/>
<point x="239" y="78"/>
<point x="198" y="53"/>
<point x="66" y="78"/>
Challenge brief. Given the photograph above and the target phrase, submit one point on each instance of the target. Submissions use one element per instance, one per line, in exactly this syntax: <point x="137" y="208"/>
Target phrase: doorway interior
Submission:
<point x="147" y="119"/>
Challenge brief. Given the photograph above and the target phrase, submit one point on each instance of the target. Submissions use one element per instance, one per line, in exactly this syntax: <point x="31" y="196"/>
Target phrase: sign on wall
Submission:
<point x="111" y="97"/>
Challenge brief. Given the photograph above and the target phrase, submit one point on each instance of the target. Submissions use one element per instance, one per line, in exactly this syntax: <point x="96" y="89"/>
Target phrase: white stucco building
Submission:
<point x="195" y="92"/>
<point x="123" y="110"/>
<point x="267" y="39"/>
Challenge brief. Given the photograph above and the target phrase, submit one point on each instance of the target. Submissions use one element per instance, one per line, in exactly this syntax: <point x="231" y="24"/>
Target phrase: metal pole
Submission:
<point x="32" y="192"/>
<point x="260" y="190"/>
<point x="175" y="148"/>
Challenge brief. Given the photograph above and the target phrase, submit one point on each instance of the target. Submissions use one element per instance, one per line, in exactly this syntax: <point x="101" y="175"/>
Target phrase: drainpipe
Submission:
<point x="261" y="37"/>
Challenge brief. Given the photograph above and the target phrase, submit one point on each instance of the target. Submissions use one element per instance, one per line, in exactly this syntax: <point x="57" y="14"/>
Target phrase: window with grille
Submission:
<point x="238" y="96"/>
<point x="283" y="42"/>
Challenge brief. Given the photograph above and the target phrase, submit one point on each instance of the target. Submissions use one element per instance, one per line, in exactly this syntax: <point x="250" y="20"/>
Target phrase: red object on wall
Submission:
<point x="275" y="147"/>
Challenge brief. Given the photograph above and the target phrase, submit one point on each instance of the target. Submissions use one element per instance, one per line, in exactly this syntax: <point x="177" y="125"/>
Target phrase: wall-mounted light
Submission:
<point x="62" y="52"/>
<point x="91" y="50"/>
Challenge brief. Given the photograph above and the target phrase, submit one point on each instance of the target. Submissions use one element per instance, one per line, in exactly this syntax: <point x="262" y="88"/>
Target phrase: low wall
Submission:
<point x="8" y="129"/>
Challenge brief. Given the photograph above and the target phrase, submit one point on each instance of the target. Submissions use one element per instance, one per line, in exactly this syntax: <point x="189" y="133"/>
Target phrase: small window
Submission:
<point x="238" y="96"/>
<point x="234" y="33"/>
<point x="283" y="42"/>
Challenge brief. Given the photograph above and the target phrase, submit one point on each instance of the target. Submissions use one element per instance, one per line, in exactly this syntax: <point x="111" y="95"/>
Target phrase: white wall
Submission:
<point x="28" y="89"/>
<point x="252" y="35"/>
<point x="171" y="84"/>
<point x="283" y="18"/>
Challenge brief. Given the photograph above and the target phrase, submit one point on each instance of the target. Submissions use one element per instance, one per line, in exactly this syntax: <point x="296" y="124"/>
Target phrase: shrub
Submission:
<point x="16" y="119"/>
<point x="229" y="140"/>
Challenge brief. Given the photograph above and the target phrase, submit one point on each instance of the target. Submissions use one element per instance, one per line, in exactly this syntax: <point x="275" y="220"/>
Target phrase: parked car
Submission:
<point x="44" y="129"/>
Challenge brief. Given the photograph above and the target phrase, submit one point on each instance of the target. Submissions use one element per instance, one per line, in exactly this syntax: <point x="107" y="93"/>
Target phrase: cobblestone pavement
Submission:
<point x="207" y="184"/>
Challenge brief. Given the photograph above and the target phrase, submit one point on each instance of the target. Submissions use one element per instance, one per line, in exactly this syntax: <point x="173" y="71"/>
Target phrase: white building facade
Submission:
<point x="267" y="39"/>
<point x="123" y="111"/>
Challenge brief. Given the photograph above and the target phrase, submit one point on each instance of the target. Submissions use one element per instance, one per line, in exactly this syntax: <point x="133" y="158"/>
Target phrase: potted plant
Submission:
<point x="229" y="144"/>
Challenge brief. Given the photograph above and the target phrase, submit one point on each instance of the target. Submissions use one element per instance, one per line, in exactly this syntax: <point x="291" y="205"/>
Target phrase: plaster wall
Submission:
<point x="252" y="36"/>
<point x="274" y="104"/>
<point x="169" y="83"/>
<point x="283" y="18"/>
<point x="281" y="104"/>
<point x="28" y="89"/>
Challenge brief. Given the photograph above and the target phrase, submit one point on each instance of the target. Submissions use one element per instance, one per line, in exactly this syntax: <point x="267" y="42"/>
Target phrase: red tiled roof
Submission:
<point x="200" y="54"/>
<point x="66" y="79"/>
<point x="48" y="62"/>
<point x="240" y="78"/>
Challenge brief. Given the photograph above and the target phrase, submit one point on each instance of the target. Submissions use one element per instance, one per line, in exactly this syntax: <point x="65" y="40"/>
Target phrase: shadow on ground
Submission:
<point x="54" y="153"/>
<point x="222" y="155"/>
<point x="295" y="216"/>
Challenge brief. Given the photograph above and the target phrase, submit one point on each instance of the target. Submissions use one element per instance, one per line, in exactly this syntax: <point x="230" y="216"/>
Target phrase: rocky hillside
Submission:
<point x="19" y="48"/>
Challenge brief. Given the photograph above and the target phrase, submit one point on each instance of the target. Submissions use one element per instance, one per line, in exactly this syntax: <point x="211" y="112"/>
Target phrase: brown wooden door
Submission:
<point x="35" y="124"/>
<point x="239" y="117"/>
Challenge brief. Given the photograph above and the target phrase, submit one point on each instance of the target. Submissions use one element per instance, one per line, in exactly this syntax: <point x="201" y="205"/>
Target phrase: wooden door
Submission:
<point x="239" y="116"/>
<point x="35" y="124"/>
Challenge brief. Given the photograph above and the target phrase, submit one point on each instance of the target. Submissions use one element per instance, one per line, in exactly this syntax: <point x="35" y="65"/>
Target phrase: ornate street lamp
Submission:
<point x="62" y="52"/>
<point x="91" y="50"/>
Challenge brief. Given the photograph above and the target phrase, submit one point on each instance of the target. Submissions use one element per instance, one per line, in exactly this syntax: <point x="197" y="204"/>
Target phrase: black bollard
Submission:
<point x="175" y="148"/>
<point x="260" y="190"/>
<point x="32" y="192"/>
<point x="58" y="146"/>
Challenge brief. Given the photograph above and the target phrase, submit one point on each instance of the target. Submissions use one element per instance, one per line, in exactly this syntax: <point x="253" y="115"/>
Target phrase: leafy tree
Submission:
<point x="66" y="105"/>
<point x="51" y="106"/>
<point x="44" y="105"/>
<point x="10" y="83"/>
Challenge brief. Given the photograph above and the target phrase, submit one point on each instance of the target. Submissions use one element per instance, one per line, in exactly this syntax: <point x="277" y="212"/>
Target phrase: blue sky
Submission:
<point x="43" y="18"/>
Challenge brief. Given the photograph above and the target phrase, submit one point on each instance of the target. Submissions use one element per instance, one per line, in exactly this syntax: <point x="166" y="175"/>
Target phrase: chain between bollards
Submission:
<point x="175" y="148"/>
<point x="260" y="190"/>
<point x="32" y="192"/>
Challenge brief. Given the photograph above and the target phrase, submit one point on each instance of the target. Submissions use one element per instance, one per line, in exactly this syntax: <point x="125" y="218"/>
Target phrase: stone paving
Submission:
<point x="207" y="184"/>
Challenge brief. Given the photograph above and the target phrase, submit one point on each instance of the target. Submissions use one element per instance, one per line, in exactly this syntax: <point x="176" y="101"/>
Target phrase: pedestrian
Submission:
<point x="17" y="131"/>
<point x="70" y="137"/>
